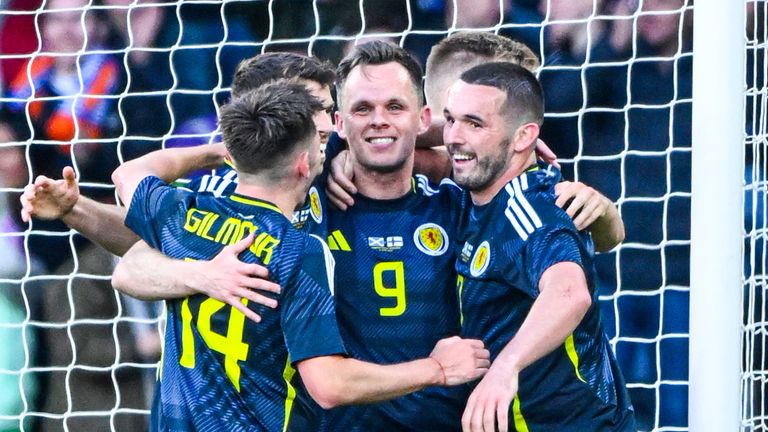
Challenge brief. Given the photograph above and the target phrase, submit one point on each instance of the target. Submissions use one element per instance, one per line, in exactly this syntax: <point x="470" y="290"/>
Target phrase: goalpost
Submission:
<point x="716" y="216"/>
<point x="727" y="342"/>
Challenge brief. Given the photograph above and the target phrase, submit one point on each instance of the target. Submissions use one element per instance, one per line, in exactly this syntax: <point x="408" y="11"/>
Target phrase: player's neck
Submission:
<point x="285" y="197"/>
<point x="517" y="166"/>
<point x="378" y="185"/>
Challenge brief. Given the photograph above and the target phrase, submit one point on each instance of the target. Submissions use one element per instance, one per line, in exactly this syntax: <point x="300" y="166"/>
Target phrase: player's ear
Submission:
<point x="525" y="136"/>
<point x="425" y="119"/>
<point x="339" y="125"/>
<point x="302" y="164"/>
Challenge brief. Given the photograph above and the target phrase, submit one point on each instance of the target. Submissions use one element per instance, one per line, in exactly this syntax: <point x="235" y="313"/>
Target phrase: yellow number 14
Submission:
<point x="231" y="344"/>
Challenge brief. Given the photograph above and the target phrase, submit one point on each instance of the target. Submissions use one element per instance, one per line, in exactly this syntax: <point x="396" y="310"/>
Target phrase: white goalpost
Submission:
<point x="716" y="216"/>
<point x="642" y="151"/>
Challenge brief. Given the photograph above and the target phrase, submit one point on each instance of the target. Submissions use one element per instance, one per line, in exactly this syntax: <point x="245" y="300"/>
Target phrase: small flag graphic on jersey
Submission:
<point x="481" y="260"/>
<point x="376" y="242"/>
<point x="385" y="244"/>
<point x="466" y="252"/>
<point x="431" y="239"/>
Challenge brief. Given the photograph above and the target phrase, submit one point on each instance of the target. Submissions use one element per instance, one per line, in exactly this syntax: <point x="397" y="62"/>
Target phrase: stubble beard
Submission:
<point x="486" y="171"/>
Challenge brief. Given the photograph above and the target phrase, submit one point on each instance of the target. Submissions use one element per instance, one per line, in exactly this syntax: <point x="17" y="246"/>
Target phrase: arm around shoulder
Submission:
<point x="167" y="164"/>
<point x="592" y="211"/>
<point x="147" y="274"/>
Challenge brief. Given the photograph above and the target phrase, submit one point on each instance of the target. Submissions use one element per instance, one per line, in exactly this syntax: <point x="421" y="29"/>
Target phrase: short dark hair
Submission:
<point x="263" y="68"/>
<point x="525" y="98"/>
<point x="265" y="125"/>
<point x="378" y="53"/>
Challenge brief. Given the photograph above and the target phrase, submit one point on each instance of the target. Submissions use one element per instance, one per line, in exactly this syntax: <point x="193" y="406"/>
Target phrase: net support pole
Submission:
<point x="716" y="215"/>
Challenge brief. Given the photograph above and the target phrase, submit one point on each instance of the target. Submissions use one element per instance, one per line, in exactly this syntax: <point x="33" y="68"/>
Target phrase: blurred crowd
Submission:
<point x="89" y="86"/>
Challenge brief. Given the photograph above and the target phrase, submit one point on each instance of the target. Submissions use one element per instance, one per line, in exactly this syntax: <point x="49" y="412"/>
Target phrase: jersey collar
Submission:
<point x="253" y="202"/>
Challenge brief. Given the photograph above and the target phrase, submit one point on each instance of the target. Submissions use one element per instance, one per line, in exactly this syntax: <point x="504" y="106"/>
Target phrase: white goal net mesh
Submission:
<point x="91" y="83"/>
<point x="755" y="363"/>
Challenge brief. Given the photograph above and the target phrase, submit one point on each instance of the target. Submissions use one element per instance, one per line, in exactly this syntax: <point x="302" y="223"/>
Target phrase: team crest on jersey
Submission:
<point x="431" y="239"/>
<point x="315" y="207"/>
<point x="481" y="259"/>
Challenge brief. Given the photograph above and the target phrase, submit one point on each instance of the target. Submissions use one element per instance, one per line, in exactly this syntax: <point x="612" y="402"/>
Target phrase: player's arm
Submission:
<point x="562" y="302"/>
<point x="147" y="274"/>
<point x="49" y="199"/>
<point x="313" y="340"/>
<point x="166" y="164"/>
<point x="592" y="211"/>
<point x="335" y="380"/>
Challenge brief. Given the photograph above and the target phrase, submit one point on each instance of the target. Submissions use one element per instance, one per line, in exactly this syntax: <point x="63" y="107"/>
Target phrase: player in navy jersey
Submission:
<point x="394" y="253"/>
<point x="526" y="281"/>
<point x="103" y="223"/>
<point x="220" y="372"/>
<point x="394" y="248"/>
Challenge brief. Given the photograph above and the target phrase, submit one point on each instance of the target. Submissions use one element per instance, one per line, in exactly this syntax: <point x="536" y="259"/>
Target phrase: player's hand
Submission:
<point x="545" y="153"/>
<point x="229" y="280"/>
<point x="582" y="203"/>
<point x="462" y="360"/>
<point x="488" y="405"/>
<point x="340" y="187"/>
<point x="49" y="199"/>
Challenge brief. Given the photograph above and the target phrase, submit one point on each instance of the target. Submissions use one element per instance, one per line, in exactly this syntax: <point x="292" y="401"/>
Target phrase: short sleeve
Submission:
<point x="548" y="246"/>
<point x="309" y="314"/>
<point x="150" y="201"/>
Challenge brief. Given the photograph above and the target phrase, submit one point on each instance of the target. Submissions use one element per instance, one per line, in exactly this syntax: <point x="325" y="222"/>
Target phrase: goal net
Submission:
<point x="755" y="363"/>
<point x="93" y="83"/>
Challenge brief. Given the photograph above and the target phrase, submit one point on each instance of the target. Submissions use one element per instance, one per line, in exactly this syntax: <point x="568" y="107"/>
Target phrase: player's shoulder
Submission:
<point x="314" y="209"/>
<point x="424" y="186"/>
<point x="219" y="182"/>
<point x="155" y="189"/>
<point x="446" y="194"/>
<point x="528" y="203"/>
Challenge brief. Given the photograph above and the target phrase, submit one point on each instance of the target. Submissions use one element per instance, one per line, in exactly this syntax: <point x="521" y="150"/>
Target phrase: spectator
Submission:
<point x="146" y="117"/>
<point x="202" y="69"/>
<point x="516" y="19"/>
<point x="54" y="95"/>
<point x="66" y="96"/>
<point x="189" y="66"/>
<point x="17" y="36"/>
<point x="378" y="18"/>
<point x="574" y="38"/>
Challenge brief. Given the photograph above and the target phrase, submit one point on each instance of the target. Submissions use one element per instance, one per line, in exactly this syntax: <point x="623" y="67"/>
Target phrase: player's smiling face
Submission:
<point x="476" y="134"/>
<point x="380" y="116"/>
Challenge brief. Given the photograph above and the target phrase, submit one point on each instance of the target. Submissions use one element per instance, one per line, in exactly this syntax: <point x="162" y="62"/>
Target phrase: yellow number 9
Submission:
<point x="397" y="292"/>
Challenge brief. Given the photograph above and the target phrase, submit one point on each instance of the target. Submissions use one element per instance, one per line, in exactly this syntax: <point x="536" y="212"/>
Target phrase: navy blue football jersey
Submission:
<point x="219" y="370"/>
<point x="395" y="294"/>
<point x="507" y="245"/>
<point x="395" y="297"/>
